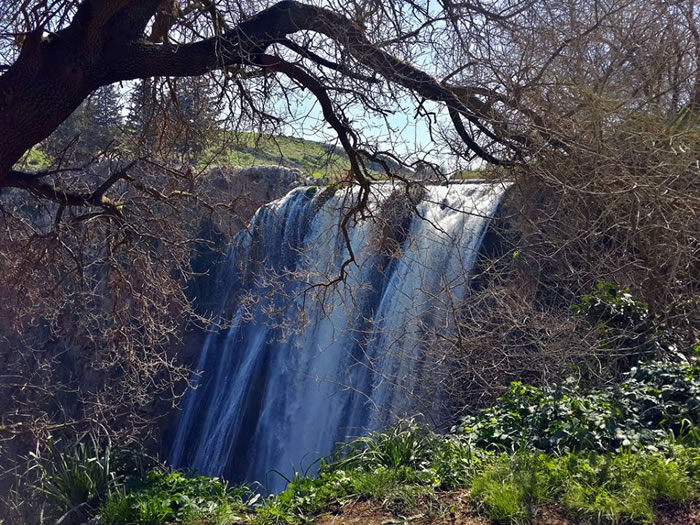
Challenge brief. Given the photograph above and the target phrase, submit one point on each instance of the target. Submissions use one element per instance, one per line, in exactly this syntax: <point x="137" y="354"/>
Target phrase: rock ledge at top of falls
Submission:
<point x="246" y="189"/>
<point x="278" y="179"/>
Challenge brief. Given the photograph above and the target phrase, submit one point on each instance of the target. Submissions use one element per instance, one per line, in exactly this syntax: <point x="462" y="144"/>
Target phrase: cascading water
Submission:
<point x="302" y="365"/>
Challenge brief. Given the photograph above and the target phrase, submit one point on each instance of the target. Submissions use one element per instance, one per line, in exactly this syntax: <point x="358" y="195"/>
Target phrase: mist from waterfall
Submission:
<point x="303" y="366"/>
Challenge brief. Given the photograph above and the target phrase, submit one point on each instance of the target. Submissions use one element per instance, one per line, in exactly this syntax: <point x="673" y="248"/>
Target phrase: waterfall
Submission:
<point x="301" y="365"/>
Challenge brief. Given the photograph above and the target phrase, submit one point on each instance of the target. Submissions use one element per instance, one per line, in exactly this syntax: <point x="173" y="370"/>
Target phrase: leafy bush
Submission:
<point x="172" y="497"/>
<point x="614" y="306"/>
<point x="656" y="401"/>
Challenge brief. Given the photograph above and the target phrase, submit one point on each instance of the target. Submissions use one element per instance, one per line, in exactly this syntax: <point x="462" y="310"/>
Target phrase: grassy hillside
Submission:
<point x="248" y="149"/>
<point x="314" y="159"/>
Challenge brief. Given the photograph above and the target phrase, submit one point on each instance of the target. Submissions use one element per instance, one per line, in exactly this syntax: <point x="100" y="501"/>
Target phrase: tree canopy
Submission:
<point x="504" y="73"/>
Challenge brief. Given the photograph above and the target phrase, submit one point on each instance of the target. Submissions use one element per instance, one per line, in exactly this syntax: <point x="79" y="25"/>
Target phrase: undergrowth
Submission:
<point x="611" y="456"/>
<point x="656" y="402"/>
<point x="163" y="497"/>
<point x="590" y="487"/>
<point x="406" y="465"/>
<point x="74" y="480"/>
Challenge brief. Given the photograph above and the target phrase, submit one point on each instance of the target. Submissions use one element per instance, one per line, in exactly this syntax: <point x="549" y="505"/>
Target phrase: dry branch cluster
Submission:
<point x="621" y="206"/>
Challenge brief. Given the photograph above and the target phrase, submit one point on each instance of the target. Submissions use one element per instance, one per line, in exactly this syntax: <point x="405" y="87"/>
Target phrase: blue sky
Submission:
<point x="408" y="134"/>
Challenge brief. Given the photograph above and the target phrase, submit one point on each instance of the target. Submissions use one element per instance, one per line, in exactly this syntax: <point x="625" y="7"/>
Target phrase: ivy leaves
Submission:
<point x="657" y="400"/>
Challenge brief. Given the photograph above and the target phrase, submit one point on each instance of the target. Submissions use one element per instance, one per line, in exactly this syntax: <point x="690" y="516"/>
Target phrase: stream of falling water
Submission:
<point x="296" y="373"/>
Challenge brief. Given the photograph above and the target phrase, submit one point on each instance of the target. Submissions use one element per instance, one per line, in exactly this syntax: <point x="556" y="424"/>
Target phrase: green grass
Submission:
<point x="34" y="159"/>
<point x="629" y="486"/>
<point x="607" y="488"/>
<point x="248" y="149"/>
<point x="510" y="488"/>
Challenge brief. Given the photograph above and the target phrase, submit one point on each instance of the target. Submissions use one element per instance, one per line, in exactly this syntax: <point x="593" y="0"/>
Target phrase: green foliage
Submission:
<point x="304" y="497"/>
<point x="395" y="467"/>
<point x="247" y="149"/>
<point x="34" y="159"/>
<point x="609" y="488"/>
<point x="413" y="453"/>
<point x="509" y="489"/>
<point x="656" y="401"/>
<point x="172" y="497"/>
<point x="614" y="306"/>
<point x="74" y="479"/>
<point x="455" y="461"/>
<point x="406" y="444"/>
<point x="406" y="464"/>
<point x="606" y="456"/>
<point x="398" y="489"/>
<point x="624" y="322"/>
<point x="616" y="488"/>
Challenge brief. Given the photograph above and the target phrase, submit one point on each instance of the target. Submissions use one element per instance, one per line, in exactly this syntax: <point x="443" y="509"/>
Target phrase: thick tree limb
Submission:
<point x="309" y="82"/>
<point x="55" y="75"/>
<point x="33" y="184"/>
